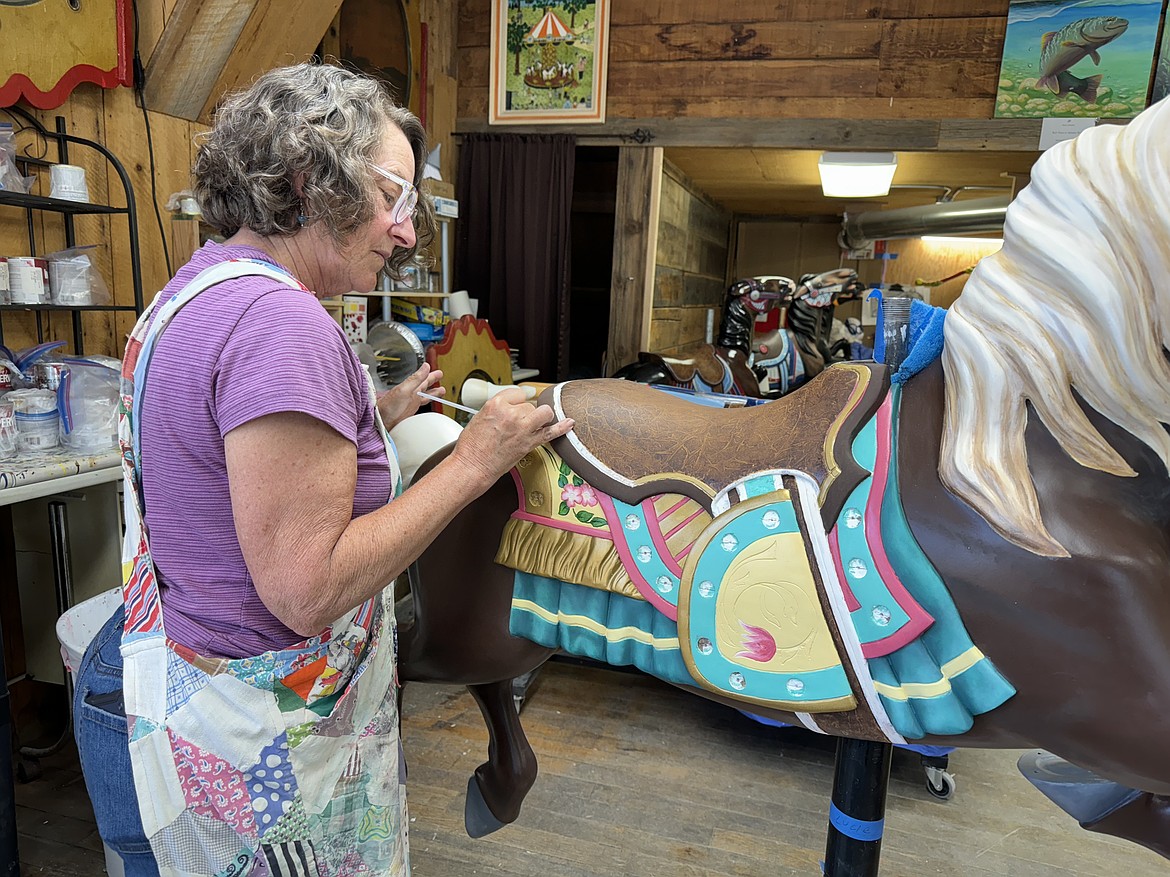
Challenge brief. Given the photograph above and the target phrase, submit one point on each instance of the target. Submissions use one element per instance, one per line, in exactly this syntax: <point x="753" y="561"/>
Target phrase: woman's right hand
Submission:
<point x="506" y="429"/>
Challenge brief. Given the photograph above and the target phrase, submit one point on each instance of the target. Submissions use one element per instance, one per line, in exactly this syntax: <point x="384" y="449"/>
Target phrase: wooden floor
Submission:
<point x="641" y="780"/>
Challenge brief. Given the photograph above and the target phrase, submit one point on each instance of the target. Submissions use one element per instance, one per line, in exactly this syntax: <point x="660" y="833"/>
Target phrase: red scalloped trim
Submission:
<point x="463" y="326"/>
<point x="20" y="86"/>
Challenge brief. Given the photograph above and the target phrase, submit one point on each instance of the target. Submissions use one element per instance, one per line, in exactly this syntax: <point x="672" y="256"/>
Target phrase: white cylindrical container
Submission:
<point x="5" y="296"/>
<point x="28" y="280"/>
<point x="38" y="425"/>
<point x="69" y="281"/>
<point x="67" y="182"/>
<point x="459" y="304"/>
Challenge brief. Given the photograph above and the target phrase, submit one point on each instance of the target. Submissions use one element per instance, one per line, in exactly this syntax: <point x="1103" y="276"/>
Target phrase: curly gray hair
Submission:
<point x="316" y="123"/>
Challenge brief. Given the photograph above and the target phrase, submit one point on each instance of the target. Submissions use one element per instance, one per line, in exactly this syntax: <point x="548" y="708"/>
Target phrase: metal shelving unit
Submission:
<point x="32" y="204"/>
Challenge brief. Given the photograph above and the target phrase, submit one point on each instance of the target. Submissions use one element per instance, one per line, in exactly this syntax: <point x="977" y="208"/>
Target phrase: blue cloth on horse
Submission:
<point x="926" y="338"/>
<point x="920" y="748"/>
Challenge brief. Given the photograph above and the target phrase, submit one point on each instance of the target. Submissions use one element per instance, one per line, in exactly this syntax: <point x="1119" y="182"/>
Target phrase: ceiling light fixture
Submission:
<point x="857" y="174"/>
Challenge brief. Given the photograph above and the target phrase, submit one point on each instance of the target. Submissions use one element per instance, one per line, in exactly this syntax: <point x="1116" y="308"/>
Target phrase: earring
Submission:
<point x="301" y="220"/>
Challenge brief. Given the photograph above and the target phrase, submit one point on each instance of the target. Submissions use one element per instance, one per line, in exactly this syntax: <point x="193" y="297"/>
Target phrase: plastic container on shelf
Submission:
<point x="38" y="426"/>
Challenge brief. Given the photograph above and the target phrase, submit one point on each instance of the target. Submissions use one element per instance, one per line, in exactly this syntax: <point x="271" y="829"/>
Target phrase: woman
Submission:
<point x="257" y="635"/>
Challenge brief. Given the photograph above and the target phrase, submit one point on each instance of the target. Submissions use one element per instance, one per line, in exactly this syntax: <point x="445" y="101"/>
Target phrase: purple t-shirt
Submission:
<point x="238" y="351"/>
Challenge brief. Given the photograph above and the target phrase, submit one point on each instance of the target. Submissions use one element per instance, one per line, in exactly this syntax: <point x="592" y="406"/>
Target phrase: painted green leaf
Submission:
<point x="565" y="470"/>
<point x="585" y="517"/>
<point x="577" y="482"/>
<point x="598" y="522"/>
<point x="562" y="481"/>
<point x="564" y="510"/>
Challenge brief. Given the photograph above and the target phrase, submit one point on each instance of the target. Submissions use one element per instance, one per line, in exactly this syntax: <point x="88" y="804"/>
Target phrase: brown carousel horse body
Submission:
<point x="1046" y="512"/>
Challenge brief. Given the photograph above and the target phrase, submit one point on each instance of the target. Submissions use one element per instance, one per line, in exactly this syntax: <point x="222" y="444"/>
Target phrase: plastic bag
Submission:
<point x="73" y="279"/>
<point x="88" y="403"/>
<point x="10" y="178"/>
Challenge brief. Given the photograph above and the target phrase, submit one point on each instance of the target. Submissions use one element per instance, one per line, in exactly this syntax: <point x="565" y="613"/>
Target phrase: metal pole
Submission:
<point x="9" y="855"/>
<point x="858" y="809"/>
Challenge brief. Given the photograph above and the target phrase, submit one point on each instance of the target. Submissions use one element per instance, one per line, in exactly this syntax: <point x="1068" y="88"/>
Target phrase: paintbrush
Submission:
<point x="455" y="405"/>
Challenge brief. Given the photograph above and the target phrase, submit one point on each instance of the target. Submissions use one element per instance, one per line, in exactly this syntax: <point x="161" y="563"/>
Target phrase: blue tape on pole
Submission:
<point x="857" y="829"/>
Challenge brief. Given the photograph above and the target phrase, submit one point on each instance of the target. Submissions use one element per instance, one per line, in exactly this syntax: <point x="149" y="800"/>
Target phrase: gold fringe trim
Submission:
<point x="560" y="554"/>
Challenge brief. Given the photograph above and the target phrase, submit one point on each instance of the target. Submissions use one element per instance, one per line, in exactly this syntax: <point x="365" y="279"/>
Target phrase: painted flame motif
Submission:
<point x="758" y="644"/>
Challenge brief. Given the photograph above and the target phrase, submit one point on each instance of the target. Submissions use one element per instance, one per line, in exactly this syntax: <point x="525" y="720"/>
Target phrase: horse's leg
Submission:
<point x="496" y="791"/>
<point x="1100" y="805"/>
<point x="1145" y="820"/>
<point x="459" y="634"/>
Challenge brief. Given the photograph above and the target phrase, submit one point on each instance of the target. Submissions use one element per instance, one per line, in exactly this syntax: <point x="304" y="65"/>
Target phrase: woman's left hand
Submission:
<point x="399" y="403"/>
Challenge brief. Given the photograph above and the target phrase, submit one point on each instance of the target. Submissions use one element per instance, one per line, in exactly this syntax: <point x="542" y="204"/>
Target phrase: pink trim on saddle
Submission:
<point x="515" y="473"/>
<point x="659" y="540"/>
<point x="562" y="525"/>
<point x="920" y="619"/>
<point x="639" y="581"/>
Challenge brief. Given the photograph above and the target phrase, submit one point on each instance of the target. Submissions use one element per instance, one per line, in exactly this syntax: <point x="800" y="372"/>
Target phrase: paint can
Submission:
<point x="67" y="182"/>
<point x="28" y="280"/>
<point x="48" y="375"/>
<point x="7" y="430"/>
<point x="37" y="422"/>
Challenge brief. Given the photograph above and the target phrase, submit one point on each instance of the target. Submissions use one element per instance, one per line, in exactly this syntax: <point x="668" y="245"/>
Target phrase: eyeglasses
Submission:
<point x="404" y="205"/>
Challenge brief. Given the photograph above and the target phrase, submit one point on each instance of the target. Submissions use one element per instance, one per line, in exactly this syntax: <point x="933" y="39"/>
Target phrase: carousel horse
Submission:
<point x="726" y="366"/>
<point x="969" y="552"/>
<point x="810" y="317"/>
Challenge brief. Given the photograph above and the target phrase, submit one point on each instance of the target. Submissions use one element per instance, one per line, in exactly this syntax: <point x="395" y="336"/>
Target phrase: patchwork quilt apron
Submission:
<point x="285" y="763"/>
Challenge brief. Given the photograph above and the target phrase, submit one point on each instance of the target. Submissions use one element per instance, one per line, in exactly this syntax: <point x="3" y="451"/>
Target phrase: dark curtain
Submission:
<point x="513" y="245"/>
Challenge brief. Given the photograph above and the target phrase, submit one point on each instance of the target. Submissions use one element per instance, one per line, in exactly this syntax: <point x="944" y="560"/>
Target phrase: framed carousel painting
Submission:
<point x="548" y="61"/>
<point x="55" y="45"/>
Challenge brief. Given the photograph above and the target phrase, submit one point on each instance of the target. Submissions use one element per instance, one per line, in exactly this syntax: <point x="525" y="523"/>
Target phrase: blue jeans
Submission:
<point x="99" y="726"/>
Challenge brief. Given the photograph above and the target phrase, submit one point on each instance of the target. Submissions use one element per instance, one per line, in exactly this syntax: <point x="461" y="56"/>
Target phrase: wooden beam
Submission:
<point x="923" y="135"/>
<point x="635" y="243"/>
<point x="211" y="47"/>
<point x="195" y="46"/>
<point x="278" y="32"/>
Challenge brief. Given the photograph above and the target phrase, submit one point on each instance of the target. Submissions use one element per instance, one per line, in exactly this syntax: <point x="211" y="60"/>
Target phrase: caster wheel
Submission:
<point x="27" y="770"/>
<point x="939" y="783"/>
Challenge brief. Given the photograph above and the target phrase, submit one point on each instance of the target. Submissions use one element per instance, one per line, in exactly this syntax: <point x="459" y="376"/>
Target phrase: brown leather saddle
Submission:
<point x="634" y="442"/>
<point x="702" y="360"/>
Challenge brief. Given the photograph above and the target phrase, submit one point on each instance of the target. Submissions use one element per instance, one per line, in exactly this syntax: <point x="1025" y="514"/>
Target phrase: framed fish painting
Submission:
<point x="548" y="61"/>
<point x="1077" y="58"/>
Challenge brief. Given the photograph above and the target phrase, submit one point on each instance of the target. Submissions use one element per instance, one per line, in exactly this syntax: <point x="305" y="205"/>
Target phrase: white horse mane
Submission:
<point x="1078" y="298"/>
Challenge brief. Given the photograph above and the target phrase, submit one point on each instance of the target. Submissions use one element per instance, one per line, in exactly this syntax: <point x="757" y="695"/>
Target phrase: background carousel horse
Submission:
<point x="975" y="555"/>
<point x="725" y="366"/>
<point x="810" y="317"/>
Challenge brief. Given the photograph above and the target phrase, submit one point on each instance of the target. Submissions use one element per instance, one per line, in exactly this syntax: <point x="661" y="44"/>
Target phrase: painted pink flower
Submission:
<point x="573" y="495"/>
<point x="758" y="644"/>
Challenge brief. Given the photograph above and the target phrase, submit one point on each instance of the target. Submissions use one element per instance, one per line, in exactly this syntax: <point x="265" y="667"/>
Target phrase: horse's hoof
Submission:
<point x="1080" y="793"/>
<point x="477" y="818"/>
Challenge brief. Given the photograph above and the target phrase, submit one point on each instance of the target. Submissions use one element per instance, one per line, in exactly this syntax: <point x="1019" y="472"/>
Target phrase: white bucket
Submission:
<point x="75" y="631"/>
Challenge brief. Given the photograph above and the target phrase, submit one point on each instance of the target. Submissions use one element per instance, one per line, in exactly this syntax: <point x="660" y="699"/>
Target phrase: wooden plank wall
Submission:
<point x="111" y="117"/>
<point x="742" y="59"/>
<point x="635" y="242"/>
<point x="690" y="264"/>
